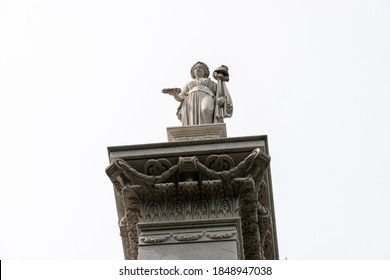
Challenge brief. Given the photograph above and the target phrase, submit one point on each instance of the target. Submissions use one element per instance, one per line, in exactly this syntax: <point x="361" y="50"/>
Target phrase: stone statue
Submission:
<point x="202" y="101"/>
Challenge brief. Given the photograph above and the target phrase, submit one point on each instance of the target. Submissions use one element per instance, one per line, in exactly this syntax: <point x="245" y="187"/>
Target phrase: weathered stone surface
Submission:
<point x="192" y="187"/>
<point x="208" y="239"/>
<point x="190" y="251"/>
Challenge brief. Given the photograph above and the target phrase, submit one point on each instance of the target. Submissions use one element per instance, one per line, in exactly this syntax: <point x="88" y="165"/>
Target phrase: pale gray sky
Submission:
<point x="78" y="76"/>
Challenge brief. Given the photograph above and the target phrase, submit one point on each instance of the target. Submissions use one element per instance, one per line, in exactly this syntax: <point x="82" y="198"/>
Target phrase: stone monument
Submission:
<point x="200" y="195"/>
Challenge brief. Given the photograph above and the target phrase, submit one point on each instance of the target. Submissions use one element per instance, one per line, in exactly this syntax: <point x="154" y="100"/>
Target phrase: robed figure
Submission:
<point x="203" y="101"/>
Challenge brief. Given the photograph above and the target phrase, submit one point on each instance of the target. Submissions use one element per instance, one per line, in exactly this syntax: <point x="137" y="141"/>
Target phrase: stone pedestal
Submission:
<point x="196" y="132"/>
<point x="198" y="199"/>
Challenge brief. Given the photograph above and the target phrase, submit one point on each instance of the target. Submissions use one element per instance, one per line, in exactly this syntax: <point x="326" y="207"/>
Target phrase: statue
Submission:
<point x="202" y="101"/>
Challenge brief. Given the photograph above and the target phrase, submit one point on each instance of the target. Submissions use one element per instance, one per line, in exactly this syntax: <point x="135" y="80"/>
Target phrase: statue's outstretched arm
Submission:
<point x="174" y="92"/>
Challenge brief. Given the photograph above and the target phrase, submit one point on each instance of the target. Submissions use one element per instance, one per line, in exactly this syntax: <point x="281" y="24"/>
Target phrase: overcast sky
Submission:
<point x="77" y="76"/>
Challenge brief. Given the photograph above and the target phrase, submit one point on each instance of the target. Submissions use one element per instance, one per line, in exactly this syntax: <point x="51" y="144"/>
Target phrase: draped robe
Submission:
<point x="198" y="102"/>
<point x="197" y="106"/>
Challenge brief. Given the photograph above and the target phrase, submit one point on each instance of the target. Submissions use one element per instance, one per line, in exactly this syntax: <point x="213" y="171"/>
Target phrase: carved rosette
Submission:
<point x="191" y="189"/>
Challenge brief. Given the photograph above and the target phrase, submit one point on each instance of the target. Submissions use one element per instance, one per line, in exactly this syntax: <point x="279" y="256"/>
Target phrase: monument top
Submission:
<point x="201" y="195"/>
<point x="203" y="101"/>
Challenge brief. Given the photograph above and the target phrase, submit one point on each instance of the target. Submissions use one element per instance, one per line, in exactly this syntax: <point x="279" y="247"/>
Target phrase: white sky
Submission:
<point x="77" y="76"/>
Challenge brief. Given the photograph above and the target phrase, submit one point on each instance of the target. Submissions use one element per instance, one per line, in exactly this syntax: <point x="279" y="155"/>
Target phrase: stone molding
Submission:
<point x="197" y="188"/>
<point x="196" y="132"/>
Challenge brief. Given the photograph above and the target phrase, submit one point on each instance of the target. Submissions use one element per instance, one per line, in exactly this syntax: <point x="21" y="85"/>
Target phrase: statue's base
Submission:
<point x="196" y="132"/>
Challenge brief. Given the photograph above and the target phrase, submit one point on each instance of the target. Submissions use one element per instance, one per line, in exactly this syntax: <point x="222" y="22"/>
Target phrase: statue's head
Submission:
<point x="200" y="65"/>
